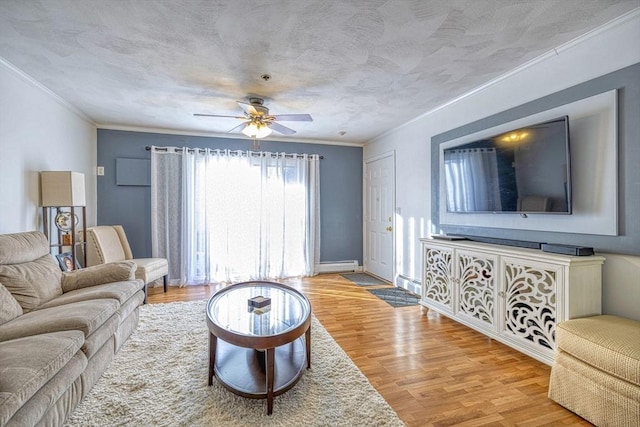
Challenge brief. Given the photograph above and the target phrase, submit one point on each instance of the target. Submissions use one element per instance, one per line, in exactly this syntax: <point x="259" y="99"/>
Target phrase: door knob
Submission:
<point x="389" y="228"/>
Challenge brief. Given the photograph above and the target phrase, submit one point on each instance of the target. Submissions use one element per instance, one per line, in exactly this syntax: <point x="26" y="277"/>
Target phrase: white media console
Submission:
<point x="514" y="295"/>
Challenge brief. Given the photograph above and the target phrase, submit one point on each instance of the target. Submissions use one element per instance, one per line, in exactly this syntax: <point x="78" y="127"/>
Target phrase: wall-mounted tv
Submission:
<point x="524" y="170"/>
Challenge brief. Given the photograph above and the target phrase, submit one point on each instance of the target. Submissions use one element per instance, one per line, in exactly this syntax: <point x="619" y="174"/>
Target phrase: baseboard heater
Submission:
<point x="410" y="279"/>
<point x="337" y="266"/>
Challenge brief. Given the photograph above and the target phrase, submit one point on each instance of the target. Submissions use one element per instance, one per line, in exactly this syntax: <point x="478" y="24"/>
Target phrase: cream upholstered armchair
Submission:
<point x="108" y="243"/>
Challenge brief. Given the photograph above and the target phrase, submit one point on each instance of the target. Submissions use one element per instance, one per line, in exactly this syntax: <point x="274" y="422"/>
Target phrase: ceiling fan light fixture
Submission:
<point x="258" y="123"/>
<point x="256" y="130"/>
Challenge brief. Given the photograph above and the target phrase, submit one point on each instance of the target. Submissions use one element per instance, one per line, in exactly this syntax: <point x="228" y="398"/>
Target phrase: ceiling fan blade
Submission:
<point x="218" y="115"/>
<point x="293" y="117"/>
<point x="248" y="108"/>
<point x="281" y="129"/>
<point x="238" y="128"/>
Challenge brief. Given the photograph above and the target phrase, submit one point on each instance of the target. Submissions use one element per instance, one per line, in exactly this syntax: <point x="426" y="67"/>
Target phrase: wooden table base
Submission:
<point x="259" y="374"/>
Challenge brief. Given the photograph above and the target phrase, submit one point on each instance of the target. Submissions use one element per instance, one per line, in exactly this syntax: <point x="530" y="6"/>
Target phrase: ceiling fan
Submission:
<point x="258" y="123"/>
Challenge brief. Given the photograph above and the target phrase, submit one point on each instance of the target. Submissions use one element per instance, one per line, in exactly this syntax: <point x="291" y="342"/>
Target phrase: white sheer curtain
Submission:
<point x="471" y="177"/>
<point x="228" y="216"/>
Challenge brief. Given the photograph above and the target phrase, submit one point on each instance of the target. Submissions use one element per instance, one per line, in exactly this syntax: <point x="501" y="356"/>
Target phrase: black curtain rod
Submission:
<point x="148" y="148"/>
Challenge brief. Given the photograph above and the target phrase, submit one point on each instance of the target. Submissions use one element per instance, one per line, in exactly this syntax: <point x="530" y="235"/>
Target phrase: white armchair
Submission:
<point x="108" y="243"/>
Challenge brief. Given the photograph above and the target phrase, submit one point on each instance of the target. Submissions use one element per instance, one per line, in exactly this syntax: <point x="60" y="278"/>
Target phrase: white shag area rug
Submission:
<point x="159" y="378"/>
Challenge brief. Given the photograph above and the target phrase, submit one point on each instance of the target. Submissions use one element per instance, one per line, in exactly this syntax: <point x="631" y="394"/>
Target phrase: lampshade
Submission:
<point x="62" y="188"/>
<point x="256" y="130"/>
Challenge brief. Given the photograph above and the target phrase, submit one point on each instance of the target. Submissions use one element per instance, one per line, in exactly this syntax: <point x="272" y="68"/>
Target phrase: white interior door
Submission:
<point x="379" y="203"/>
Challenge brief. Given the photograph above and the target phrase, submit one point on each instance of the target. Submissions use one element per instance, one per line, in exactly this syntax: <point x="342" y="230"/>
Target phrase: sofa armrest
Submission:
<point x="98" y="275"/>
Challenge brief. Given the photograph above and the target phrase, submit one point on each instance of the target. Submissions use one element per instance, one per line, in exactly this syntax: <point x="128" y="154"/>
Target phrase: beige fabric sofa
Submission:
<point x="596" y="372"/>
<point x="58" y="331"/>
<point x="108" y="243"/>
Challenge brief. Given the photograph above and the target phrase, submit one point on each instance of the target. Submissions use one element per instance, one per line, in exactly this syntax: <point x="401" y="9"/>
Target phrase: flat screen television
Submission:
<point x="524" y="170"/>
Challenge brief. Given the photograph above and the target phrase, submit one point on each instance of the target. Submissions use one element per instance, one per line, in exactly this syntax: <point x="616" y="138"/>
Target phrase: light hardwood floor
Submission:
<point x="432" y="371"/>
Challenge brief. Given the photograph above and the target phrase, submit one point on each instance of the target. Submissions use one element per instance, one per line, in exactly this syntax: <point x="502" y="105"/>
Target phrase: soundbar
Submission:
<point x="567" y="249"/>
<point x="546" y="247"/>
<point x="448" y="237"/>
<point x="506" y="242"/>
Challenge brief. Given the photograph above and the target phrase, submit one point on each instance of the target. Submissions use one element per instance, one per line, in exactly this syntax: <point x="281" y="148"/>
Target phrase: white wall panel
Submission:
<point x="594" y="171"/>
<point x="38" y="132"/>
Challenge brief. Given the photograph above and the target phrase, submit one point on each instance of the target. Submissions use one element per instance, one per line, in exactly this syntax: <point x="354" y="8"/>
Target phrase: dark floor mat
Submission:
<point x="396" y="297"/>
<point x="363" y="279"/>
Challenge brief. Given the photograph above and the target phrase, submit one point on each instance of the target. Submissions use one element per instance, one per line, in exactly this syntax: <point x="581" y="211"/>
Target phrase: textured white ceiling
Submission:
<point x="359" y="66"/>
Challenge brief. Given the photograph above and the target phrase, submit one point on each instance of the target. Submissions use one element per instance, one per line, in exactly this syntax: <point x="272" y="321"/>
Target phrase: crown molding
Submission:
<point x="45" y="90"/>
<point x="224" y="135"/>
<point x="629" y="16"/>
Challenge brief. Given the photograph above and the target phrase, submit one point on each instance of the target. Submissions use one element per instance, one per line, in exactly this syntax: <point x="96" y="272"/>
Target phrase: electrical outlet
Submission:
<point x="100" y="170"/>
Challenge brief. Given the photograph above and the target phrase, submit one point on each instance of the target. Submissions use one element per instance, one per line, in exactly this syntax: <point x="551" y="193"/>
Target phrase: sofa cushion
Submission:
<point x="9" y="307"/>
<point x="84" y="316"/>
<point x="25" y="368"/>
<point x="19" y="248"/>
<point x="94" y="342"/>
<point x="130" y="305"/>
<point x="120" y="291"/>
<point x="610" y="343"/>
<point x="58" y="397"/>
<point x="32" y="283"/>
<point x="98" y="275"/>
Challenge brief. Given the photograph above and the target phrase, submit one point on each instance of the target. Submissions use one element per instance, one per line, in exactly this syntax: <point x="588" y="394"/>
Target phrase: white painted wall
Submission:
<point x="603" y="51"/>
<point x="38" y="131"/>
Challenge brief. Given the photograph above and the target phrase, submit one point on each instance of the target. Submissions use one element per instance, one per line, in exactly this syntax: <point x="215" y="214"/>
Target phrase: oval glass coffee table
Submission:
<point x="258" y="348"/>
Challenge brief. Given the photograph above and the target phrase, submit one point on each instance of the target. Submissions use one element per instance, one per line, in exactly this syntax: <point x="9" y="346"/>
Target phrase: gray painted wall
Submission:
<point x="627" y="81"/>
<point x="130" y="205"/>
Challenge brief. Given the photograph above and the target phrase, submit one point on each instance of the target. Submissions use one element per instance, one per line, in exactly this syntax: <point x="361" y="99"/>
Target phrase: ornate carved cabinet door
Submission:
<point x="438" y="277"/>
<point x="477" y="287"/>
<point x="514" y="295"/>
<point x="530" y="302"/>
